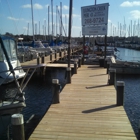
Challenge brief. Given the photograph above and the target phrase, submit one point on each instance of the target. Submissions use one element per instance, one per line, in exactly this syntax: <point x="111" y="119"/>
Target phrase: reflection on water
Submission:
<point x="128" y="55"/>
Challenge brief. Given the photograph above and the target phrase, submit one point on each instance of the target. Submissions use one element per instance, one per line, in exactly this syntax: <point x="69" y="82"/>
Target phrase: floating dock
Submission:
<point x="87" y="111"/>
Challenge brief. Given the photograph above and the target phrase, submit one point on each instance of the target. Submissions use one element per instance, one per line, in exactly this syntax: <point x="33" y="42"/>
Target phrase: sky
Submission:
<point x="16" y="16"/>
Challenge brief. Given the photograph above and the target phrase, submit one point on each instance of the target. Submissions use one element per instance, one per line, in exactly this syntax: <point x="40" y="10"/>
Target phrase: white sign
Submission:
<point x="94" y="14"/>
<point x="94" y="30"/>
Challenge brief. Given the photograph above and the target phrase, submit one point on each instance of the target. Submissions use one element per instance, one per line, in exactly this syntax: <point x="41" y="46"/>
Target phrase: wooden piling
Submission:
<point x="120" y="93"/>
<point x="75" y="67"/>
<point x="22" y="58"/>
<point x="38" y="61"/>
<point x="105" y="63"/>
<point x="112" y="75"/>
<point x="50" y="56"/>
<point x="68" y="74"/>
<point x="43" y="59"/>
<point x="79" y="62"/>
<point x="17" y="127"/>
<point x="108" y="65"/>
<point x="55" y="91"/>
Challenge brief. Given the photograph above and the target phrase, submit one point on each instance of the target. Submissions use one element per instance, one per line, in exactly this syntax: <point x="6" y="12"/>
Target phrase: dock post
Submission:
<point x="46" y="53"/>
<point x="72" y="52"/>
<point x="17" y="127"/>
<point x="75" y="67"/>
<point x="31" y="56"/>
<point x="139" y="130"/>
<point x="43" y="59"/>
<point x="105" y="63"/>
<point x="55" y="55"/>
<point x="79" y="62"/>
<point x="101" y="61"/>
<point x="83" y="60"/>
<point x="120" y="93"/>
<point x="38" y="62"/>
<point x="108" y="65"/>
<point x="50" y="56"/>
<point x="112" y="74"/>
<point x="68" y="75"/>
<point x="55" y="91"/>
<point x="22" y="58"/>
<point x="60" y="55"/>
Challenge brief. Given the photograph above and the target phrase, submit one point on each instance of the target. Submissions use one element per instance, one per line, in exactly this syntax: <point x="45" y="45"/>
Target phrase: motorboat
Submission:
<point x="9" y="62"/>
<point x="10" y="70"/>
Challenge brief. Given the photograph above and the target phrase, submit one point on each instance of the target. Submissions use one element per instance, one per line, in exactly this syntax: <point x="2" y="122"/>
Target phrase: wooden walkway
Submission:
<point x="46" y="60"/>
<point x="87" y="111"/>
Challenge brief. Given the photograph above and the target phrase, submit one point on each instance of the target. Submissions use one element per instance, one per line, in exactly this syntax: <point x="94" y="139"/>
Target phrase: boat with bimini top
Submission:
<point x="10" y="61"/>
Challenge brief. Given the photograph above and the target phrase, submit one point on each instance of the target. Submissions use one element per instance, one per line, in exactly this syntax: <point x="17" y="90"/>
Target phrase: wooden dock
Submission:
<point x="87" y="111"/>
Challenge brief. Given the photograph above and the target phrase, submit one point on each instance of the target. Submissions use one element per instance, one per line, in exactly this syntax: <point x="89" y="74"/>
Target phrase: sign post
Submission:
<point x="95" y="20"/>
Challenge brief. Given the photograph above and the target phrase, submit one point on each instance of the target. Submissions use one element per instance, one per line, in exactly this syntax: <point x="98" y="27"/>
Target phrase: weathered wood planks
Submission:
<point x="87" y="111"/>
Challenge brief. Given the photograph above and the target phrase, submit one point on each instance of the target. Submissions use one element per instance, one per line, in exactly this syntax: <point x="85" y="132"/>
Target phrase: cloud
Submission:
<point x="12" y="18"/>
<point x="25" y="28"/>
<point x="135" y="14"/>
<point x="38" y="6"/>
<point x="65" y="7"/>
<point x="109" y="20"/>
<point x="26" y="6"/>
<point x="35" y="6"/>
<point x="130" y="4"/>
<point x="76" y="27"/>
<point x="75" y="16"/>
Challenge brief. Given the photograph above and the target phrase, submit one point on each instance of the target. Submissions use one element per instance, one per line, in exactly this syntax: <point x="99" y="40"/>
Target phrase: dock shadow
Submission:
<point x="99" y="109"/>
<point x="97" y="75"/>
<point x="98" y="86"/>
<point x="95" y="66"/>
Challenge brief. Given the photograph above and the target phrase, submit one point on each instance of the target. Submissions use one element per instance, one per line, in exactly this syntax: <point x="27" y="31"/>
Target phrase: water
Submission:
<point x="128" y="55"/>
<point x="132" y="88"/>
<point x="132" y="98"/>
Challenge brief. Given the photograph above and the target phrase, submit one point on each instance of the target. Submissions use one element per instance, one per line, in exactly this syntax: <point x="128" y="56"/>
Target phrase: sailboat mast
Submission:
<point x="28" y="29"/>
<point x="48" y="21"/>
<point x="56" y="19"/>
<point x="52" y="16"/>
<point x="32" y="19"/>
<point x="39" y="27"/>
<point x="61" y="19"/>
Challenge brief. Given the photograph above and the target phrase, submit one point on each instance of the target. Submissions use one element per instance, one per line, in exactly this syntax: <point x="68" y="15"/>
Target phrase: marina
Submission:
<point x="55" y="86"/>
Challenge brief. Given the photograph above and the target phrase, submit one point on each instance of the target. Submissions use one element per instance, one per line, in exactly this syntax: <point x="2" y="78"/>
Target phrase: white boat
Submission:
<point x="124" y="67"/>
<point x="10" y="70"/>
<point x="10" y="67"/>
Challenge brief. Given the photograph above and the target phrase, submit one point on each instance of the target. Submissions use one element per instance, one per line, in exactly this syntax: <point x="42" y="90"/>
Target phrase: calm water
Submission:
<point x="128" y="55"/>
<point x="39" y="94"/>
<point x="132" y="88"/>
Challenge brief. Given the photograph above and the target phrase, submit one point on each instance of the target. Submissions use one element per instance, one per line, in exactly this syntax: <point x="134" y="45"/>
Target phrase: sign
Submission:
<point x="94" y="14"/>
<point x="94" y="30"/>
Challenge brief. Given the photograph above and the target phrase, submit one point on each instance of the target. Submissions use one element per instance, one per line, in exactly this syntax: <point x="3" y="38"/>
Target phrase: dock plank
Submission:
<point x="87" y="111"/>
